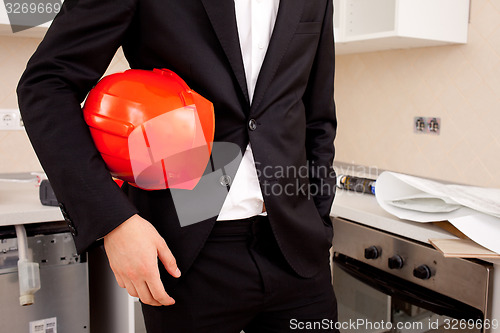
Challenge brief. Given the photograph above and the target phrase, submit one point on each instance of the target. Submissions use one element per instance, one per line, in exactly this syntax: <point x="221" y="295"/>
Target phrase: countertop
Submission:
<point x="20" y="204"/>
<point x="363" y="208"/>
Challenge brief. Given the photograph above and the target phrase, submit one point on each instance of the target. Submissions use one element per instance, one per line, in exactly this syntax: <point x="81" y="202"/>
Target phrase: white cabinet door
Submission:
<point x="373" y="25"/>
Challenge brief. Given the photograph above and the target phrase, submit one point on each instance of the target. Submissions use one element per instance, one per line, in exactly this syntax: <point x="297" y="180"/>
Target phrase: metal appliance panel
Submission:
<point x="64" y="286"/>
<point x="452" y="277"/>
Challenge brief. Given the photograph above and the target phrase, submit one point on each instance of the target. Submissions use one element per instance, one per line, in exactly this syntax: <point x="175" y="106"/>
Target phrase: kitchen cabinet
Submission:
<point x="368" y="25"/>
<point x="374" y="25"/>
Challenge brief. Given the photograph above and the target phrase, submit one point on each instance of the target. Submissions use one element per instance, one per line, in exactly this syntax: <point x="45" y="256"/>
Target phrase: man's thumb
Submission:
<point x="168" y="259"/>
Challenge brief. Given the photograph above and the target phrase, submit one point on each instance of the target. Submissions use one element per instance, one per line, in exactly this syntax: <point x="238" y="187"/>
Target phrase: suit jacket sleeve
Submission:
<point x="74" y="54"/>
<point x="321" y="119"/>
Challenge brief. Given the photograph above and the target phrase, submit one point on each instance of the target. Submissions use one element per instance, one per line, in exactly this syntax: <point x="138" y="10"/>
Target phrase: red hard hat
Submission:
<point x="150" y="128"/>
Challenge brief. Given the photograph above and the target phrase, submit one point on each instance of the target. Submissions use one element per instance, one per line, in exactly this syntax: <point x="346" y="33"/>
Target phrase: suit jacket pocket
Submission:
<point x="308" y="28"/>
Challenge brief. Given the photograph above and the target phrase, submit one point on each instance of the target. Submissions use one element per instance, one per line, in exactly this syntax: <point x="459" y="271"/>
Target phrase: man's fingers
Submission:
<point x="152" y="291"/>
<point x="119" y="279"/>
<point x="133" y="249"/>
<point x="145" y="295"/>
<point x="168" y="260"/>
<point x="158" y="293"/>
<point x="131" y="289"/>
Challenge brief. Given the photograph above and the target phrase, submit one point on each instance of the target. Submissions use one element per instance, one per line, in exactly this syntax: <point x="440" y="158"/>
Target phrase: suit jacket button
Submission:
<point x="225" y="180"/>
<point x="66" y="217"/>
<point x="73" y="231"/>
<point x="252" y="124"/>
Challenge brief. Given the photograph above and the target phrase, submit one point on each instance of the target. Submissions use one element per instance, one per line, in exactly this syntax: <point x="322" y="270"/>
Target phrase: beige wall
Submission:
<point x="377" y="95"/>
<point x="16" y="154"/>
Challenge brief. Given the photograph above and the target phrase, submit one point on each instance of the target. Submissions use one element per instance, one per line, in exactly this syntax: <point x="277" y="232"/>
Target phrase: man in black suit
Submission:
<point x="263" y="264"/>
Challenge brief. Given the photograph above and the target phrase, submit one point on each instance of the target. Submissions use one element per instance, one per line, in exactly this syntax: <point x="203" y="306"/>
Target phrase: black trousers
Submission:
<point x="241" y="281"/>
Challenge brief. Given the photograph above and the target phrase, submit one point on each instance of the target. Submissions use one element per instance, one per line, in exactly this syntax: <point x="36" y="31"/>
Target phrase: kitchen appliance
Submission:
<point x="62" y="303"/>
<point x="385" y="282"/>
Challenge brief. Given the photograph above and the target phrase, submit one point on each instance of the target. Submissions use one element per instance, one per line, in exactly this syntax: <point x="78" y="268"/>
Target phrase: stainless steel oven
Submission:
<point x="388" y="283"/>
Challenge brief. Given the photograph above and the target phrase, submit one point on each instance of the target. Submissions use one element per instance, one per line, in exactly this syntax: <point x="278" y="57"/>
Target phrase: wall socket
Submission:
<point x="430" y="125"/>
<point x="10" y="120"/>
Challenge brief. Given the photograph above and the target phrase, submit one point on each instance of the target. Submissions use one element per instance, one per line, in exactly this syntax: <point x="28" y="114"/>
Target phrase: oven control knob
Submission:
<point x="395" y="262"/>
<point x="422" y="272"/>
<point x="372" y="252"/>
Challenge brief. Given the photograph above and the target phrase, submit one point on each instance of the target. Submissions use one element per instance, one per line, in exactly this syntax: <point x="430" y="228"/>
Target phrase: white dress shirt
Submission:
<point x="255" y="20"/>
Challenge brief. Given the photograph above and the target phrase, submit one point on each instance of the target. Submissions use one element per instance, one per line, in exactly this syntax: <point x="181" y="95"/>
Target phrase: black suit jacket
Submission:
<point x="293" y="110"/>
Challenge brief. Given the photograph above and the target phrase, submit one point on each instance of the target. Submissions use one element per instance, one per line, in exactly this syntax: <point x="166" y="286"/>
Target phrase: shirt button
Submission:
<point x="261" y="45"/>
<point x="252" y="124"/>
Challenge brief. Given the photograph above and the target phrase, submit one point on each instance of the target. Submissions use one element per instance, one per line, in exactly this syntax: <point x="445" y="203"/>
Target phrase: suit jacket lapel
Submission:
<point x="223" y="19"/>
<point x="289" y="14"/>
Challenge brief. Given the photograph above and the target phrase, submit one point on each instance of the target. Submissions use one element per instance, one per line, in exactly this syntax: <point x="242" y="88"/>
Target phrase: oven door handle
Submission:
<point x="405" y="290"/>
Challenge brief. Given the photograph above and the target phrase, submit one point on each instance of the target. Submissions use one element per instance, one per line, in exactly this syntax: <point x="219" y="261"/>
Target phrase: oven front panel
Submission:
<point x="463" y="280"/>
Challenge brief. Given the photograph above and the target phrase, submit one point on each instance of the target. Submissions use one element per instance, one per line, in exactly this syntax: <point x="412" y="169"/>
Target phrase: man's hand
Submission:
<point x="133" y="249"/>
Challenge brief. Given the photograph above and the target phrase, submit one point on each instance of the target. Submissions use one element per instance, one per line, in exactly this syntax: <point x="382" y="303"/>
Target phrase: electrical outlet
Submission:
<point x="419" y="124"/>
<point x="10" y="120"/>
<point x="427" y="125"/>
<point x="434" y="125"/>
